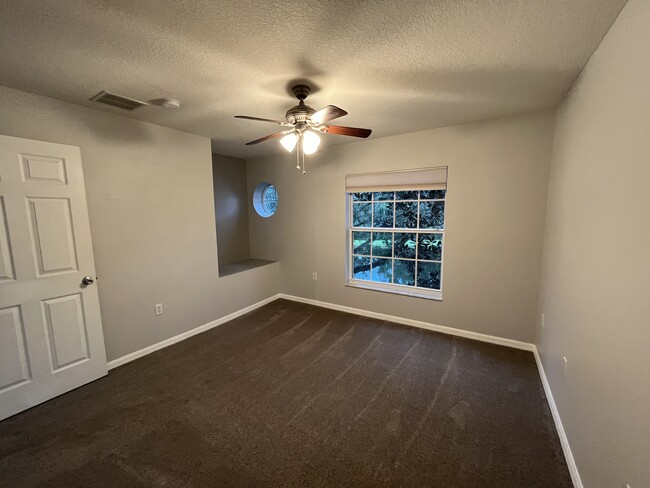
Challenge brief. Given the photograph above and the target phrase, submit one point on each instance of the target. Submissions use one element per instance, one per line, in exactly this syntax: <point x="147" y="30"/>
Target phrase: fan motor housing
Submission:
<point x="299" y="114"/>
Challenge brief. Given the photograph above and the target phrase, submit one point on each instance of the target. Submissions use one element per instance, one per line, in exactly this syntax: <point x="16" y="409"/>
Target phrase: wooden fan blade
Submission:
<point x="247" y="117"/>
<point x="348" y="131"/>
<point x="330" y="112"/>
<point x="265" y="138"/>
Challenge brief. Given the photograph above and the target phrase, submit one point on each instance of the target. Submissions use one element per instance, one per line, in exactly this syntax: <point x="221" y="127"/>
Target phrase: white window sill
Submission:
<point x="397" y="289"/>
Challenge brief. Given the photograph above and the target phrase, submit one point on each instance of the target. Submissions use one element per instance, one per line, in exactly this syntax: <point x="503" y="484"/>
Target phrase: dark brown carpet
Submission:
<point x="293" y="395"/>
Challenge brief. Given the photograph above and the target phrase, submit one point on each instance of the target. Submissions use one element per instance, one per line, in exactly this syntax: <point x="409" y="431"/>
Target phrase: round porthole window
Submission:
<point x="265" y="199"/>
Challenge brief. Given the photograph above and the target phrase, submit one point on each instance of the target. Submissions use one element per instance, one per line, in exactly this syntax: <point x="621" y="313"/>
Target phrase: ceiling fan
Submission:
<point x="303" y="124"/>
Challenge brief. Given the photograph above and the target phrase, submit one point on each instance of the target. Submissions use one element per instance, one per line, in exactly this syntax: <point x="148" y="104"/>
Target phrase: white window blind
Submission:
<point x="412" y="179"/>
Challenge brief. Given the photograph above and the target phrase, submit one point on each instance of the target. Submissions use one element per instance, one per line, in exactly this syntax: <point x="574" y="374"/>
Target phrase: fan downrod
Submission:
<point x="299" y="114"/>
<point x="301" y="91"/>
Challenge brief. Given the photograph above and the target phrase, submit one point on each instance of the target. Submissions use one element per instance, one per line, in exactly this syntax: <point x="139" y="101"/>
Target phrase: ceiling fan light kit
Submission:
<point x="304" y="123"/>
<point x="289" y="141"/>
<point x="310" y="142"/>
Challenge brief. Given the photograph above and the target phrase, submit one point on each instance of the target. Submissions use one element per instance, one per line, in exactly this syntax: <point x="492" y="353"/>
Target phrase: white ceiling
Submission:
<point x="396" y="66"/>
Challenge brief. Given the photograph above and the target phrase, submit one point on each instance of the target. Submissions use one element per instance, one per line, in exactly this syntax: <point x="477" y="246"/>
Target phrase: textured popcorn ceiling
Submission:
<point x="397" y="66"/>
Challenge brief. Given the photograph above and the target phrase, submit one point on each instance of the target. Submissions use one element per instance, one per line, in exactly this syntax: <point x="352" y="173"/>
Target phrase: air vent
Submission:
<point x="125" y="103"/>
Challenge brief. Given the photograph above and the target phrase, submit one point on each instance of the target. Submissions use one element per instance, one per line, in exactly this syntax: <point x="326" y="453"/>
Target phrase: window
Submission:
<point x="396" y="234"/>
<point x="265" y="199"/>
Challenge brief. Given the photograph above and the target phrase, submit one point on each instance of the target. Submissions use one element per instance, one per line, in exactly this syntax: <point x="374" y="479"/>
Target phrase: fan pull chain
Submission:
<point x="298" y="154"/>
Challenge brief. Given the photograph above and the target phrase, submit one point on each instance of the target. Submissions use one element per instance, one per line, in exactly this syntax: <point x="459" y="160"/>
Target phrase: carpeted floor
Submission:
<point x="293" y="395"/>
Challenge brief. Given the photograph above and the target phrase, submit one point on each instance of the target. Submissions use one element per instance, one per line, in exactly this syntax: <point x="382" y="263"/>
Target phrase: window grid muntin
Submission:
<point x="372" y="229"/>
<point x="392" y="257"/>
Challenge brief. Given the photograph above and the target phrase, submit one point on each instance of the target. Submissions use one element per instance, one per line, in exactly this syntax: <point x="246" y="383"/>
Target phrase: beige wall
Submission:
<point x="596" y="273"/>
<point x="494" y="221"/>
<point x="231" y="208"/>
<point x="151" y="207"/>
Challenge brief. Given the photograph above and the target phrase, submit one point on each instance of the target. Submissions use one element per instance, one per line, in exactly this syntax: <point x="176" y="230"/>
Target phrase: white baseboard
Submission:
<point x="376" y="315"/>
<point x="564" y="440"/>
<point x="181" y="337"/>
<point x="501" y="341"/>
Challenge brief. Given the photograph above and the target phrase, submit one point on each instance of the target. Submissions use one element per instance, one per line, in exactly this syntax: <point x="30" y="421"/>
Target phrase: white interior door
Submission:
<point x="51" y="337"/>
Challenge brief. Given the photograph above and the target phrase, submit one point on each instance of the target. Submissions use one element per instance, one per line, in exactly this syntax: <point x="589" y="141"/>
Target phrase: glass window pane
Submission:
<point x="409" y="257"/>
<point x="384" y="195"/>
<point x="406" y="215"/>
<point x="270" y="199"/>
<point x="404" y="245"/>
<point x="361" y="243"/>
<point x="432" y="215"/>
<point x="433" y="194"/>
<point x="362" y="214"/>
<point x="429" y="275"/>
<point x="382" y="244"/>
<point x="382" y="270"/>
<point x="404" y="272"/>
<point x="362" y="197"/>
<point x="361" y="268"/>
<point x="383" y="214"/>
<point x="406" y="195"/>
<point x="430" y="246"/>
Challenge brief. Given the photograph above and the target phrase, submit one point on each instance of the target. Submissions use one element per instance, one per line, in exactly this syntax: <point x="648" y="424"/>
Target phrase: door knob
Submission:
<point x="87" y="280"/>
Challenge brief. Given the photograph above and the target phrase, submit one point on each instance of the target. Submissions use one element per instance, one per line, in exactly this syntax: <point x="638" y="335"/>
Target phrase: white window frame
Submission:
<point x="409" y="290"/>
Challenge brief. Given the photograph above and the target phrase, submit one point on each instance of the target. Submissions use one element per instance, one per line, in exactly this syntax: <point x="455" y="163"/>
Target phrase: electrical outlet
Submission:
<point x="542" y="321"/>
<point x="566" y="361"/>
<point x="159" y="309"/>
<point x="314" y="276"/>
